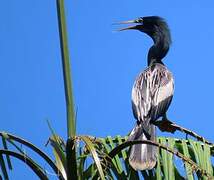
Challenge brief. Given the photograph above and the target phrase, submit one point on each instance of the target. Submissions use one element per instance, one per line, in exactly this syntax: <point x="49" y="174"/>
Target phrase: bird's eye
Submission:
<point x="139" y="20"/>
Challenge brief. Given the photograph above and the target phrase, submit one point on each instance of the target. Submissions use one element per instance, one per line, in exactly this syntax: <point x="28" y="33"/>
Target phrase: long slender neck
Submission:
<point x="160" y="48"/>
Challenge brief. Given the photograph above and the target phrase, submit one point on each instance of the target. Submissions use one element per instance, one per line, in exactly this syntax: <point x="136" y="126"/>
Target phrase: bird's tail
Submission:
<point x="143" y="156"/>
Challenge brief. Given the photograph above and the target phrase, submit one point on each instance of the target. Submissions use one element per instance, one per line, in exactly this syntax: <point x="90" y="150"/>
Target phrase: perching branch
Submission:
<point x="126" y="144"/>
<point x="167" y="126"/>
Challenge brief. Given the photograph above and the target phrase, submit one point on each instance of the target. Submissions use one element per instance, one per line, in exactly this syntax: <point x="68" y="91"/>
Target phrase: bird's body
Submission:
<point x="151" y="96"/>
<point x="152" y="92"/>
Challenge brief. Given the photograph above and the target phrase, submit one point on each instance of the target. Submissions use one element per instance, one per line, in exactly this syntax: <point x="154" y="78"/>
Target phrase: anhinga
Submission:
<point x="152" y="91"/>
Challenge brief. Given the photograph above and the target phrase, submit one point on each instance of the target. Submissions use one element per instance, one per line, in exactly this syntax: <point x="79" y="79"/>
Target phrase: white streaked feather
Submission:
<point x="151" y="87"/>
<point x="164" y="92"/>
<point x="151" y="96"/>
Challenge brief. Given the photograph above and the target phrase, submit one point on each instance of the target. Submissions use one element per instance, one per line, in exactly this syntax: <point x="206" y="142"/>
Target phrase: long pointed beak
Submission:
<point x="127" y="28"/>
<point x="127" y="22"/>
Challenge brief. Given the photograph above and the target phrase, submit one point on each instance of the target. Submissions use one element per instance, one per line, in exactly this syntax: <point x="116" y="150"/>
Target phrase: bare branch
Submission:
<point x="167" y="126"/>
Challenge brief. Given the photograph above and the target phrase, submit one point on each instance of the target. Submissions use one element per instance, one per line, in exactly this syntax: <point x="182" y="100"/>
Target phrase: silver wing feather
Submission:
<point x="151" y="96"/>
<point x="152" y="93"/>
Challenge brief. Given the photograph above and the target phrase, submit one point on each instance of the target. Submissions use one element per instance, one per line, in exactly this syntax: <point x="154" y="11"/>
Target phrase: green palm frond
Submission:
<point x="86" y="157"/>
<point x="14" y="146"/>
<point x="106" y="159"/>
<point x="196" y="160"/>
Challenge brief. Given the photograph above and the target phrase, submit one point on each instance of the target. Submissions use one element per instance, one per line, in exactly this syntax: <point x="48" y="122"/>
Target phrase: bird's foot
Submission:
<point x="165" y="125"/>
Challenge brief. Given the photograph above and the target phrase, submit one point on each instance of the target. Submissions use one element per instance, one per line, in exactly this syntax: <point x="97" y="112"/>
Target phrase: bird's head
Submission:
<point x="157" y="28"/>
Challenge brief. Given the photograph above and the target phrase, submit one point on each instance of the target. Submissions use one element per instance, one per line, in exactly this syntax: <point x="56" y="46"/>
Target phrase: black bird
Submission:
<point x="152" y="91"/>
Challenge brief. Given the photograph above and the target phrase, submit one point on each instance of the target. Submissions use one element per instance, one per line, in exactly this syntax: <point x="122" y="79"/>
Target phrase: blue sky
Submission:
<point x="104" y="66"/>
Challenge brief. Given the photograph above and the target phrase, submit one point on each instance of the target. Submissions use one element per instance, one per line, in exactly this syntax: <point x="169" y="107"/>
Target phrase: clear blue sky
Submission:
<point x="104" y="66"/>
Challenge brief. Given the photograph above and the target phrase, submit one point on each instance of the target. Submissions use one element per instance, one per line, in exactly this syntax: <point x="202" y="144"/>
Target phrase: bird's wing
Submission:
<point x="164" y="93"/>
<point x="152" y="93"/>
<point x="141" y="96"/>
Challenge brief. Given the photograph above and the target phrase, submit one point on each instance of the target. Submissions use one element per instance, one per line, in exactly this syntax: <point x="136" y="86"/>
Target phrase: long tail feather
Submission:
<point x="143" y="156"/>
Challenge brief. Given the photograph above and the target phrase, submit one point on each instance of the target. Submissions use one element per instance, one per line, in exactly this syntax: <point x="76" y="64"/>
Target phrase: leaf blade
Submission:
<point x="92" y="149"/>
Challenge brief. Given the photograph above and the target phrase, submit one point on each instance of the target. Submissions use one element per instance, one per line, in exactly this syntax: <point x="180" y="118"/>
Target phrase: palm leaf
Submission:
<point x="38" y="171"/>
<point x="15" y="140"/>
<point x="166" y="167"/>
<point x="3" y="167"/>
<point x="91" y="148"/>
<point x="4" y="142"/>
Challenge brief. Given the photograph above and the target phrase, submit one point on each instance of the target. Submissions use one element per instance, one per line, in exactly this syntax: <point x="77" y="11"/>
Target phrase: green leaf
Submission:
<point x="116" y="158"/>
<point x="71" y="123"/>
<point x="207" y="155"/>
<point x="90" y="172"/>
<point x="59" y="154"/>
<point x="114" y="167"/>
<point x="15" y="139"/>
<point x="28" y="161"/>
<point x="158" y="168"/>
<point x="4" y="142"/>
<point x="3" y="168"/>
<point x="81" y="159"/>
<point x="59" y="151"/>
<point x="124" y="155"/>
<point x="164" y="155"/>
<point x="92" y="149"/>
<point x="188" y="168"/>
<point x="123" y="152"/>
<point x="59" y="163"/>
<point x="197" y="154"/>
<point x="171" y="144"/>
